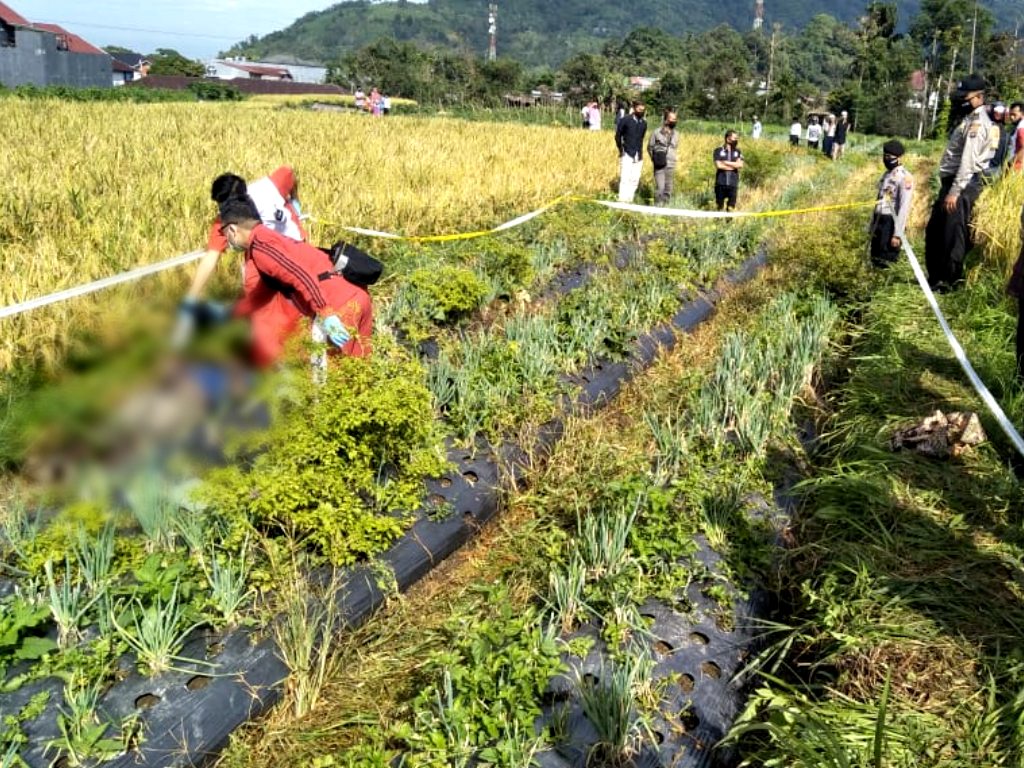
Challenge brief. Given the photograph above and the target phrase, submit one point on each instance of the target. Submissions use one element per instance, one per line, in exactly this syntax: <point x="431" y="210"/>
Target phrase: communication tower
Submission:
<point x="492" y="31"/>
<point x="758" y="14"/>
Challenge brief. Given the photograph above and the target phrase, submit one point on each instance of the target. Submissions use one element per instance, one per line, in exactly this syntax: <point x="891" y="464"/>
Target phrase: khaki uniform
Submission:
<point x="895" y="194"/>
<point x="968" y="154"/>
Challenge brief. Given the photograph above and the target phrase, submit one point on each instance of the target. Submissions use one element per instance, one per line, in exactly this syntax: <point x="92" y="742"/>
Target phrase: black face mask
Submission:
<point x="670" y="125"/>
<point x="890" y="162"/>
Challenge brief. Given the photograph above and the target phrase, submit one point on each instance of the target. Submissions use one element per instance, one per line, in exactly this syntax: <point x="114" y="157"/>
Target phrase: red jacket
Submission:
<point x="276" y="264"/>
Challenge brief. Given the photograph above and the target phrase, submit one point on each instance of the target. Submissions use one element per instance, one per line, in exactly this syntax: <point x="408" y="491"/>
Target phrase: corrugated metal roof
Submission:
<point x="76" y="44"/>
<point x="12" y="17"/>
<point x="256" y="69"/>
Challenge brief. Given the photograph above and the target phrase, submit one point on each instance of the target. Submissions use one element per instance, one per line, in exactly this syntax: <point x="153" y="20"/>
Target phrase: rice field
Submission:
<point x="94" y="189"/>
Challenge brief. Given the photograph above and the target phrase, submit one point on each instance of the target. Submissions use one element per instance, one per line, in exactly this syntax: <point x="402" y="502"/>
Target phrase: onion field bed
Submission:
<point x="894" y="637"/>
<point x="731" y="523"/>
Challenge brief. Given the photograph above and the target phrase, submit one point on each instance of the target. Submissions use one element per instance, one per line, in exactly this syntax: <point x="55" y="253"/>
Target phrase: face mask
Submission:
<point x="639" y="115"/>
<point x="890" y="162"/>
<point x="671" y="125"/>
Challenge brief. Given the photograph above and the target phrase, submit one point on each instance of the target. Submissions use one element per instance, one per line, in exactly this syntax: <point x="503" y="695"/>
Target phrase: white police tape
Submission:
<point x="958" y="352"/>
<point x="98" y="285"/>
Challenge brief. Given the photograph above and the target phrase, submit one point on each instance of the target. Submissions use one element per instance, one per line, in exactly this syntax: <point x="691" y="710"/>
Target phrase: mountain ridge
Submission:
<point x="540" y="32"/>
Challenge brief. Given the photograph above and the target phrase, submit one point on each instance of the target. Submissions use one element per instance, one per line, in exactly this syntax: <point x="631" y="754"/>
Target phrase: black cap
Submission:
<point x="894" y="148"/>
<point x="971" y="83"/>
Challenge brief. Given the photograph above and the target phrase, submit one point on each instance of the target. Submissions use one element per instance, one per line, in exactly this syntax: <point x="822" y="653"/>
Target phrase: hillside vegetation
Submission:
<point x="538" y="32"/>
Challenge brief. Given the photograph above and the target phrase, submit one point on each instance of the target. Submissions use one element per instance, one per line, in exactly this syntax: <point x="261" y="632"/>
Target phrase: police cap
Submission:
<point x="972" y="83"/>
<point x="894" y="148"/>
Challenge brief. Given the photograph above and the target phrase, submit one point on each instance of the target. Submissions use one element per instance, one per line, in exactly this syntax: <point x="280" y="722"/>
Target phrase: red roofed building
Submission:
<point x="47" y="54"/>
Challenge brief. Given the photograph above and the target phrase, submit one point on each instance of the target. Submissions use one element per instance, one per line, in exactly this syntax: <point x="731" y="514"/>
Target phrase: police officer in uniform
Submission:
<point x="968" y="154"/>
<point x="895" y="193"/>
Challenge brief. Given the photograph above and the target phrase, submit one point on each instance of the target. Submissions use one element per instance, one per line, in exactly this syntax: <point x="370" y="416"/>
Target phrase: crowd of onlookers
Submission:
<point x="376" y="103"/>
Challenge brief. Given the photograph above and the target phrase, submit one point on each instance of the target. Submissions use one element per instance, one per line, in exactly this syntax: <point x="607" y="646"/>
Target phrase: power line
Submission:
<point x="139" y="29"/>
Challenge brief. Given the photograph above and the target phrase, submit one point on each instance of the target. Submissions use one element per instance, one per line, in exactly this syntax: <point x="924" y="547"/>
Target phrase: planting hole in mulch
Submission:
<point x="662" y="648"/>
<point x="445" y="482"/>
<point x="686" y="683"/>
<point x="699" y="639"/>
<point x="659" y="737"/>
<point x="471" y="477"/>
<point x="214" y="649"/>
<point x="198" y="682"/>
<point x="437" y="500"/>
<point x="710" y="669"/>
<point x="689" y="720"/>
<point x="147" y="701"/>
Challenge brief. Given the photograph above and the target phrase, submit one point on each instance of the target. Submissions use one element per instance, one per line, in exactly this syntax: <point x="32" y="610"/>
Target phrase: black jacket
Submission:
<point x="629" y="136"/>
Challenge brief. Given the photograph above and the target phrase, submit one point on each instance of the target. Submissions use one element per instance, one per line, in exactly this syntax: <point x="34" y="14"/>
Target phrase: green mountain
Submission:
<point x="544" y="32"/>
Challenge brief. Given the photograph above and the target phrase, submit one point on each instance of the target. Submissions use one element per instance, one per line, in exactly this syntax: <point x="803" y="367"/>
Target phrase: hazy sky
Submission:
<point x="197" y="28"/>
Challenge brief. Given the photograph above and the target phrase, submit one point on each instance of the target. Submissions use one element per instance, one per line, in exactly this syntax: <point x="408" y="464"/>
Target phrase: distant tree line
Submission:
<point x="865" y="68"/>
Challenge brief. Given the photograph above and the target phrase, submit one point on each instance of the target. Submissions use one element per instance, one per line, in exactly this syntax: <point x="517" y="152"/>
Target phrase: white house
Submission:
<point x="242" y="69"/>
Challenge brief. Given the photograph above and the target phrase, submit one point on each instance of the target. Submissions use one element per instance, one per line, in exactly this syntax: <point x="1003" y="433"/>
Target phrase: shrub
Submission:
<point x="340" y="461"/>
<point x="760" y="165"/>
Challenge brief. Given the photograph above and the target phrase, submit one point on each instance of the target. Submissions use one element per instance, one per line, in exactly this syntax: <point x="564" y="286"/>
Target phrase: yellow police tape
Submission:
<point x="647" y="210"/>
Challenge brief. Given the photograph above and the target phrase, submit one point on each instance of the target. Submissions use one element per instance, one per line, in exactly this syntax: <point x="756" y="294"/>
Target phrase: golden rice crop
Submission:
<point x="93" y="189"/>
<point x="997" y="221"/>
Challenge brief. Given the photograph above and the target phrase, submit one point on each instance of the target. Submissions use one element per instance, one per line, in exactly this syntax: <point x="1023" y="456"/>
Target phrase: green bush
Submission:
<point x="441" y="294"/>
<point x="760" y="165"/>
<point x="342" y="462"/>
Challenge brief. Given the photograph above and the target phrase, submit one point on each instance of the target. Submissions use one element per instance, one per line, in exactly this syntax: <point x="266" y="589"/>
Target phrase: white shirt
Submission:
<point x="813" y="132"/>
<point x="755" y="131"/>
<point x="796" y="129"/>
<point x="594" y="119"/>
<point x="274" y="210"/>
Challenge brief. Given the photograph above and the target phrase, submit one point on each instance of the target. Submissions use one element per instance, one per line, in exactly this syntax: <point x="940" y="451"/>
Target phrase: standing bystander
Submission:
<point x="813" y="133"/>
<point x="796" y="129"/>
<point x="968" y="152"/>
<point x="1015" y="150"/>
<point x="629" y="140"/>
<point x="895" y="193"/>
<point x="662" y="148"/>
<point x="839" y="140"/>
<point x="728" y="162"/>
<point x="756" y="128"/>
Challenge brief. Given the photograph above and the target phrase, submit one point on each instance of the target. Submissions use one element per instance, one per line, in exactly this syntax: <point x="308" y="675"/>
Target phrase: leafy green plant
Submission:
<point x="603" y="540"/>
<point x="342" y="462"/>
<point x="95" y="556"/>
<point x="68" y="604"/>
<point x="157" y="632"/>
<point x="608" y="701"/>
<point x="83" y="733"/>
<point x="22" y="625"/>
<point x="565" y="594"/>
<point x="156" y="510"/>
<point x="228" y="578"/>
<point x="481" y="694"/>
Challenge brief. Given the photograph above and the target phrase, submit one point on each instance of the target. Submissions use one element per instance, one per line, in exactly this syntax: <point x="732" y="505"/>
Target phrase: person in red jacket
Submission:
<point x="277" y="267"/>
<point x="276" y="199"/>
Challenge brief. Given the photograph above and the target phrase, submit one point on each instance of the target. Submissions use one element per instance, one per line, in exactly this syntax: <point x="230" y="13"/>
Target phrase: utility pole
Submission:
<point x="771" y="69"/>
<point x="492" y="30"/>
<point x="974" y="35"/>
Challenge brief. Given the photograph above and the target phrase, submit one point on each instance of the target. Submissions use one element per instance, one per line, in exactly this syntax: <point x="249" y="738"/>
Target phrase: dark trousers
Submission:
<point x="882" y="252"/>
<point x="947" y="237"/>
<point x="725" y="193"/>
<point x="1020" y="339"/>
